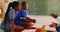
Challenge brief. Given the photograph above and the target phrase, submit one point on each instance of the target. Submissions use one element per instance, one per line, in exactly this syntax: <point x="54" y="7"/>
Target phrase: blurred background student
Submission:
<point x="10" y="15"/>
<point x="55" y="16"/>
<point x="22" y="18"/>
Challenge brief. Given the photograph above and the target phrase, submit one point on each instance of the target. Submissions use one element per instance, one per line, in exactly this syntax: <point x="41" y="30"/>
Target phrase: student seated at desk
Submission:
<point x="13" y="7"/>
<point x="22" y="18"/>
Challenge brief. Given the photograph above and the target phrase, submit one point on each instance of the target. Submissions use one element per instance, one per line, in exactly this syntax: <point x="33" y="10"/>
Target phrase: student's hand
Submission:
<point x="53" y="25"/>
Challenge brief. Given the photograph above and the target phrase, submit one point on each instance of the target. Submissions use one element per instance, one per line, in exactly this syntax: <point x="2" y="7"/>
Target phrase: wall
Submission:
<point x="43" y="7"/>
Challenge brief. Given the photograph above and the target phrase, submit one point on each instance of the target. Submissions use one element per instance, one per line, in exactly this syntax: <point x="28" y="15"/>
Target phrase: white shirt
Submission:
<point x="58" y="20"/>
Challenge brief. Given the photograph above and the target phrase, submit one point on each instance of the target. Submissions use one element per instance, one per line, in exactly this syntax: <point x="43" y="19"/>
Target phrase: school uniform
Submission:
<point x="11" y="15"/>
<point x="22" y="14"/>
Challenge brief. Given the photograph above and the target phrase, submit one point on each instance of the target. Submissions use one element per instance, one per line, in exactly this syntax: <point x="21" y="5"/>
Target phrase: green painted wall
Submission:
<point x="43" y="7"/>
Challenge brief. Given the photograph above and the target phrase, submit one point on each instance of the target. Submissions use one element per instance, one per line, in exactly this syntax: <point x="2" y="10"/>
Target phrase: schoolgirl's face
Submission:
<point x="18" y="7"/>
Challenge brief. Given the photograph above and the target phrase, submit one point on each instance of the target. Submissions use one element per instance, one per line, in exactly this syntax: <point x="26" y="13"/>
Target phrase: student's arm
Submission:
<point x="28" y="18"/>
<point x="25" y="16"/>
<point x="12" y="25"/>
<point x="11" y="17"/>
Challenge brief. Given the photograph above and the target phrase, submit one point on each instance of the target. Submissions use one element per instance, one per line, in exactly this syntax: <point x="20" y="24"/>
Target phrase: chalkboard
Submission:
<point x="43" y="7"/>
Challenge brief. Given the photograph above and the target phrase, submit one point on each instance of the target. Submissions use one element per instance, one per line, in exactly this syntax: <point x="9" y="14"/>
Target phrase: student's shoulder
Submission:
<point x="12" y="10"/>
